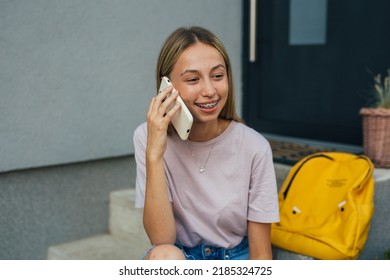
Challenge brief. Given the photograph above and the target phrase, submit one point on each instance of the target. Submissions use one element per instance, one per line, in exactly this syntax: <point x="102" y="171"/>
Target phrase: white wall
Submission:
<point x="76" y="76"/>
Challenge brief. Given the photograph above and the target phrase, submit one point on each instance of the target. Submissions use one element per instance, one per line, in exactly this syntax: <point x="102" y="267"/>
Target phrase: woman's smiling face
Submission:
<point x="200" y="77"/>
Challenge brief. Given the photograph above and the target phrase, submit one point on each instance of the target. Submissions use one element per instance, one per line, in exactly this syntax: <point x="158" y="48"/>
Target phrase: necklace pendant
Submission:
<point x="202" y="169"/>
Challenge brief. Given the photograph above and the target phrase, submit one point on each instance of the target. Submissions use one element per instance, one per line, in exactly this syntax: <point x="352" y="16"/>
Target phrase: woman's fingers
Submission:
<point x="161" y="98"/>
<point x="161" y="110"/>
<point x="168" y="102"/>
<point x="162" y="103"/>
<point x="172" y="111"/>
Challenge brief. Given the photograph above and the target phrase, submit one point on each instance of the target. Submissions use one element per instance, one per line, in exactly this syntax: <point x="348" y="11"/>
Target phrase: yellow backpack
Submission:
<point x="326" y="205"/>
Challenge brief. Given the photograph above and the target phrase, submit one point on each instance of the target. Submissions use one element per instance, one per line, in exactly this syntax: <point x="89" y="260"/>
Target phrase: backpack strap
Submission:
<point x="370" y="170"/>
<point x="300" y="165"/>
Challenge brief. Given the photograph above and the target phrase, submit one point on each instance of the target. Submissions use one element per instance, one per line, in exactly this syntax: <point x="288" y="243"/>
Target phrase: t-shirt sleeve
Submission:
<point x="263" y="197"/>
<point x="140" y="139"/>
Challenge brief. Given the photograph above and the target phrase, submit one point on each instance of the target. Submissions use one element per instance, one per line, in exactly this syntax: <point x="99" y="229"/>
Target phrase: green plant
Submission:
<point x="381" y="90"/>
<point x="387" y="254"/>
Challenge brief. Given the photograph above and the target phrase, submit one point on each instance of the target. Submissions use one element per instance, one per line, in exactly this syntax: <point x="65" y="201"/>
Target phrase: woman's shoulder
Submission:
<point x="140" y="133"/>
<point x="250" y="142"/>
<point x="141" y="129"/>
<point x="248" y="134"/>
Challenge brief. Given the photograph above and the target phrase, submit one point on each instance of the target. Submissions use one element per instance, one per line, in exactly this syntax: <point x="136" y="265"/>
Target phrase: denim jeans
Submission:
<point x="205" y="252"/>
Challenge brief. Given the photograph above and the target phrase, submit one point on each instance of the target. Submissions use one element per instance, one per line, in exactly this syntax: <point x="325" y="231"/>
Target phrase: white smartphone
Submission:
<point x="182" y="120"/>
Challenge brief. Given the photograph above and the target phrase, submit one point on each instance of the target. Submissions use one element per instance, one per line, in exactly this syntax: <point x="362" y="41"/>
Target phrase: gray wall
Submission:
<point x="76" y="78"/>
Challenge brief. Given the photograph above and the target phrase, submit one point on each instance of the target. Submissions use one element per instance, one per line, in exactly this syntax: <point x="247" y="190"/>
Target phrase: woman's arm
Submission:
<point x="158" y="214"/>
<point x="259" y="236"/>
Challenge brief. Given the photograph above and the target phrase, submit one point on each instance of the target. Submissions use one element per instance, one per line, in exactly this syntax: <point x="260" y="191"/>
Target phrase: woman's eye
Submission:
<point x="218" y="76"/>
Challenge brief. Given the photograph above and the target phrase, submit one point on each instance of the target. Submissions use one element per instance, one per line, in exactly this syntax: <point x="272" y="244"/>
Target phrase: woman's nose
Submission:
<point x="208" y="89"/>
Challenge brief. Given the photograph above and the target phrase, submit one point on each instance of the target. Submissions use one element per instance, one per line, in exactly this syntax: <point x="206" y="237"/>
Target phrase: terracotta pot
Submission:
<point x="376" y="135"/>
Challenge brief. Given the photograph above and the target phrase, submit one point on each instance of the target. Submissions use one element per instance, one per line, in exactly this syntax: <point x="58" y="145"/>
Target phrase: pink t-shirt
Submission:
<point x="213" y="207"/>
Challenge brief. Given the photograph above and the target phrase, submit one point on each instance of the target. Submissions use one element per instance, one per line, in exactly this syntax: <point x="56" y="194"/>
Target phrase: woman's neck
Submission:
<point x="202" y="132"/>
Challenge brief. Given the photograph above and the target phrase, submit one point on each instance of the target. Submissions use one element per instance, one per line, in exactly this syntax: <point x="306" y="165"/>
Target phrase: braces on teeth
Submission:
<point x="207" y="106"/>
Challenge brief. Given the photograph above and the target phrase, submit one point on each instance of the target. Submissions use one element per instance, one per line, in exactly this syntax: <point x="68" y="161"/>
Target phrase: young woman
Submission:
<point x="213" y="196"/>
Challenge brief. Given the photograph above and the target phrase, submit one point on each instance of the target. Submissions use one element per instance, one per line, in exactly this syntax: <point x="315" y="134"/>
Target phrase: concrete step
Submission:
<point x="126" y="239"/>
<point x="99" y="247"/>
<point x="125" y="220"/>
<point x="280" y="254"/>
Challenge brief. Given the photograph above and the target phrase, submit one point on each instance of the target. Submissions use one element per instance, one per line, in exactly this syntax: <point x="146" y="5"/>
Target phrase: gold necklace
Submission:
<point x="202" y="168"/>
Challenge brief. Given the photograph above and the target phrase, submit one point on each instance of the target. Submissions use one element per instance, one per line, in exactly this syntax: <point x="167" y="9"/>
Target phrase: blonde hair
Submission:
<point x="178" y="42"/>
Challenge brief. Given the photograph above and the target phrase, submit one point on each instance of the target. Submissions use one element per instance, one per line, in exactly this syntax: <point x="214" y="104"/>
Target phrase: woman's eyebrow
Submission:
<point x="189" y="71"/>
<point x="218" y="66"/>
<point x="195" y="71"/>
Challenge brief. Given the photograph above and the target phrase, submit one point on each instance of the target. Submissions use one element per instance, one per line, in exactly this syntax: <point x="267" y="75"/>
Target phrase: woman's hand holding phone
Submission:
<point x="161" y="110"/>
<point x="182" y="120"/>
